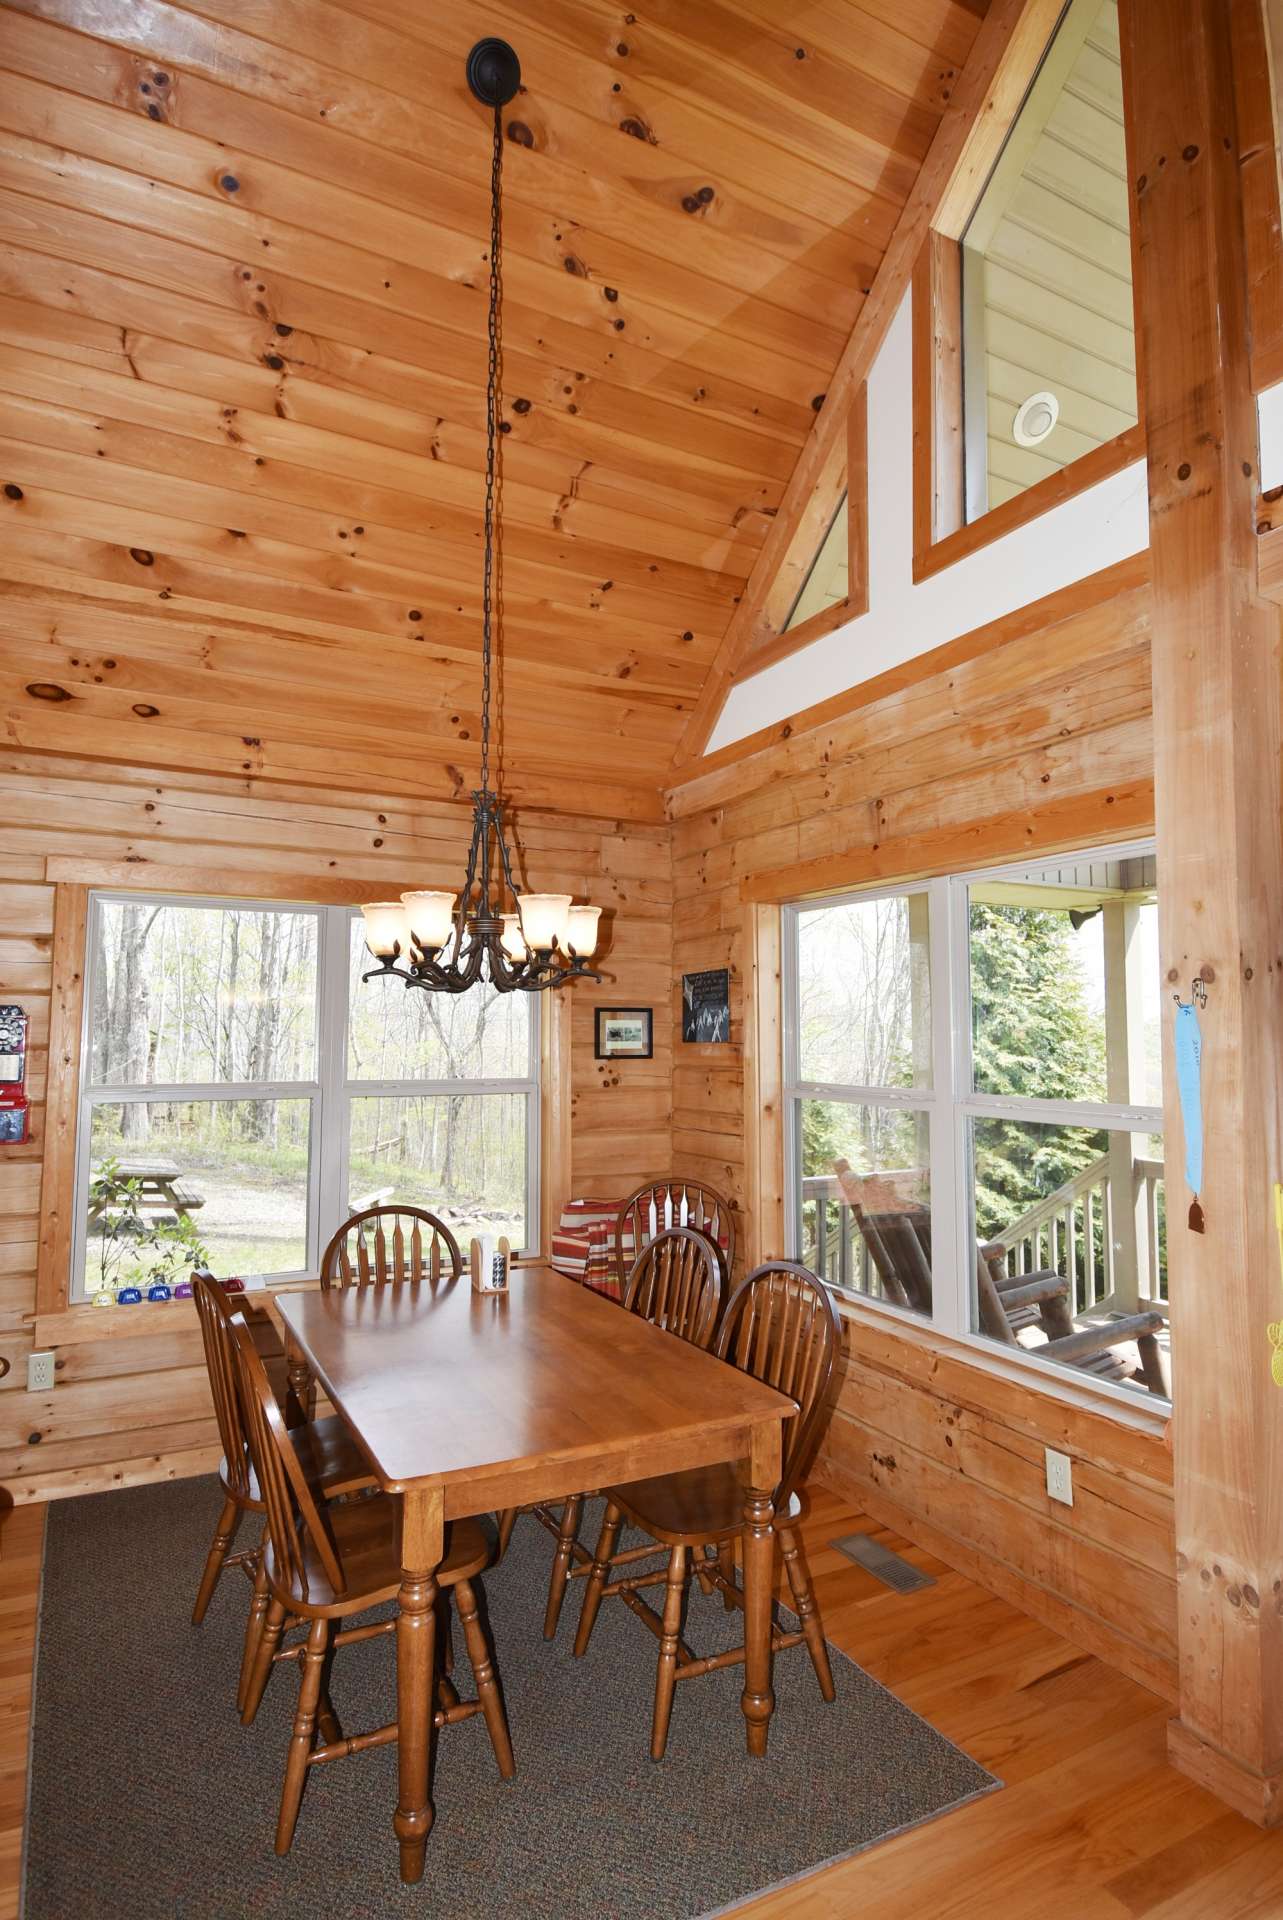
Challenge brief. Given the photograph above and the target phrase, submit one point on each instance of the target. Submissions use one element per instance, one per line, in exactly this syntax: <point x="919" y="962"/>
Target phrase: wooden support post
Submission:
<point x="1220" y="854"/>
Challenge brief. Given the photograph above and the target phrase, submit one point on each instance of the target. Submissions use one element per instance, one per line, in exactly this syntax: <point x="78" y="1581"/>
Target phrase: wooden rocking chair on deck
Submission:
<point x="898" y="1237"/>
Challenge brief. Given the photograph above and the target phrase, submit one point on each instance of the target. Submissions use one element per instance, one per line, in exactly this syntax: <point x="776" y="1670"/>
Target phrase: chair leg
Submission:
<point x="268" y="1641"/>
<point x="507" y="1521"/>
<point x="488" y="1694"/>
<point x="803" y="1600"/>
<point x="666" y="1677"/>
<point x="607" y="1540"/>
<point x="309" y="1694"/>
<point x="219" y="1547"/>
<point x="561" y="1563"/>
<point x="254" y="1625"/>
<point x="726" y="1564"/>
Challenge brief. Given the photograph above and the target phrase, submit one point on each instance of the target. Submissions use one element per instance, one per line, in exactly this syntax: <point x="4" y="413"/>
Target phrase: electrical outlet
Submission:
<point x="39" y="1372"/>
<point x="1060" y="1477"/>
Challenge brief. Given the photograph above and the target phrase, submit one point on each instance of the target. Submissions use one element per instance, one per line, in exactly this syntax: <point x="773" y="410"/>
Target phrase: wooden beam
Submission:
<point x="1217" y="767"/>
<point x="1078" y="820"/>
<point x="984" y="99"/>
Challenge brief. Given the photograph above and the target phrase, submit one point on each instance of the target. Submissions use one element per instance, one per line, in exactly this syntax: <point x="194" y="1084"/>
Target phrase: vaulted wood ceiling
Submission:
<point x="242" y="313"/>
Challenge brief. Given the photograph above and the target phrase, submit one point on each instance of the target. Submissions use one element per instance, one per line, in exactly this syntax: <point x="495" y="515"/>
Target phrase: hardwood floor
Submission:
<point x="1092" y="1824"/>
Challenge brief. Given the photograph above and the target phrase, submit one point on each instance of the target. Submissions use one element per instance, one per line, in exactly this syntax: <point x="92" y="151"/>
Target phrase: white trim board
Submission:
<point x="1104" y="524"/>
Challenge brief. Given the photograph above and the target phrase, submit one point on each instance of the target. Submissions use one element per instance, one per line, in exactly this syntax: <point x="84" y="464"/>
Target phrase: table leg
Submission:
<point x="757" y="1699"/>
<point x="299" y="1376"/>
<point x="421" y="1550"/>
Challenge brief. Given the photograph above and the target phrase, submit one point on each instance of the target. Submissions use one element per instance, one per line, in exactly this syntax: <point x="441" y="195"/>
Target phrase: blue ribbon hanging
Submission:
<point x="1189" y="1086"/>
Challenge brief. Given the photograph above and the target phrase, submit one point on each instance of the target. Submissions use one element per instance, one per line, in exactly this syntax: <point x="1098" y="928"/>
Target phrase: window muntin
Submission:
<point x="1048" y="331"/>
<point x="1037" y="1120"/>
<point x="243" y="1090"/>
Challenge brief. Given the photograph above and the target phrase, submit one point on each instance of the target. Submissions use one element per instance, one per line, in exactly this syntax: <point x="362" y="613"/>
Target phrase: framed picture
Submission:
<point x="624" y="1033"/>
<point x="706" y="1006"/>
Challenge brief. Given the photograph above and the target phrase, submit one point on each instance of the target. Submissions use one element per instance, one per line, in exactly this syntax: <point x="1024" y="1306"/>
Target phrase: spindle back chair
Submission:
<point x="781" y="1326"/>
<point x="662" y="1205"/>
<point x="383" y="1244"/>
<point x="676" y="1284"/>
<point x="309" y="1552"/>
<point x="331" y="1456"/>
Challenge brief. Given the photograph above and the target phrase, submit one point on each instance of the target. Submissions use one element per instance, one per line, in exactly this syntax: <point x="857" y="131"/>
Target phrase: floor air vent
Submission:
<point x="891" y="1568"/>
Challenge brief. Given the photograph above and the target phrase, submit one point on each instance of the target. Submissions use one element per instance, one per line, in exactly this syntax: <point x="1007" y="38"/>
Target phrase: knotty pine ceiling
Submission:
<point x="242" y="314"/>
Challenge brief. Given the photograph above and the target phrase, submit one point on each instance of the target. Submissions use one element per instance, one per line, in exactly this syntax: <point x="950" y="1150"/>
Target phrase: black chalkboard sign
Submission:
<point x="706" y="1006"/>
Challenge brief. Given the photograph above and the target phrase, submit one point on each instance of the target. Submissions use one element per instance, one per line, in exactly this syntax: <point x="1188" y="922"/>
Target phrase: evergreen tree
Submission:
<point x="1033" y="1034"/>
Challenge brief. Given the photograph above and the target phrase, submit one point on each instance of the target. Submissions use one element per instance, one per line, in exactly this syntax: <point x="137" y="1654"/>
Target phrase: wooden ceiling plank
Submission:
<point x="178" y="749"/>
<point x="302" y="324"/>
<point x="92" y="567"/>
<point x="781" y="206"/>
<point x="951" y="156"/>
<point x="96" y="625"/>
<point x="112" y="504"/>
<point x="259" y="452"/>
<point x="538" y="450"/>
<point x="562" y="45"/>
<point x="920" y="65"/>
<point x="822" y="266"/>
<point x="299" y="279"/>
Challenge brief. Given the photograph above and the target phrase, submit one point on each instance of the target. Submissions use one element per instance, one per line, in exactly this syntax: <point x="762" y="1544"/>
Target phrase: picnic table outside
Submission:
<point x="164" y="1189"/>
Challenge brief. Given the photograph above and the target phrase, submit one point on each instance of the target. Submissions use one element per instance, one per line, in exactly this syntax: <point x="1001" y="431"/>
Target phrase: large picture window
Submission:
<point x="243" y="1092"/>
<point x="974" y="1108"/>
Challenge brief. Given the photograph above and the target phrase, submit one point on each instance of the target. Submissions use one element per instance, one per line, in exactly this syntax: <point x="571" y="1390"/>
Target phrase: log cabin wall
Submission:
<point x="1033" y="733"/>
<point x="131" y="1401"/>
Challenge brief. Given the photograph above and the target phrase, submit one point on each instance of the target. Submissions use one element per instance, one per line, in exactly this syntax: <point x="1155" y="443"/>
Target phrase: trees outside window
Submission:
<point x="243" y="1090"/>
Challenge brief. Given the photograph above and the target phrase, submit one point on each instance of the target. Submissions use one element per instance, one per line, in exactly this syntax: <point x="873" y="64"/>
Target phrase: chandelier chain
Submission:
<point x="492" y="436"/>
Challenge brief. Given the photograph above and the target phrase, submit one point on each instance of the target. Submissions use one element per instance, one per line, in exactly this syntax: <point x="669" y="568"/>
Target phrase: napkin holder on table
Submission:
<point x="488" y="1259"/>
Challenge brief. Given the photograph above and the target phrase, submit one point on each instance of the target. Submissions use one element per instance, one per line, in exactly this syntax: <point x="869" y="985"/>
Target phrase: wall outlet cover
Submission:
<point x="1060" y="1477"/>
<point x="39" y="1372"/>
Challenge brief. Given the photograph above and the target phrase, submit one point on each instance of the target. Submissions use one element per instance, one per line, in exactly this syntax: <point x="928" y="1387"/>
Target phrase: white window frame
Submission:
<point x="951" y="1100"/>
<point x="330" y="1092"/>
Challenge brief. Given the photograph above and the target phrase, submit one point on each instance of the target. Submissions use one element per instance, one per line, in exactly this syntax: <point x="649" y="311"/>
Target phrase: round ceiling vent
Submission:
<point x="1035" y="418"/>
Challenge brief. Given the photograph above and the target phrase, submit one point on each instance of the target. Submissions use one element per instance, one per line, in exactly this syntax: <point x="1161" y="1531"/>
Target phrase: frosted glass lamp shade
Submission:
<point x="387" y="929"/>
<point x="544" y="917"/>
<point x="431" y="918"/>
<point x="511" y="941"/>
<point x="582" y="931"/>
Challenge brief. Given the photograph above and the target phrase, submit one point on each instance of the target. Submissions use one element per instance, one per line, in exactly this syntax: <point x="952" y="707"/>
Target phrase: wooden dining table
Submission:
<point x="467" y="1403"/>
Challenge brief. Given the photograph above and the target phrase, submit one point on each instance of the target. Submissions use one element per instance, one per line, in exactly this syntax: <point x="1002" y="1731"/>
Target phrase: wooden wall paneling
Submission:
<point x="130" y="1403"/>
<point x="1217" y="759"/>
<point x="993" y="746"/>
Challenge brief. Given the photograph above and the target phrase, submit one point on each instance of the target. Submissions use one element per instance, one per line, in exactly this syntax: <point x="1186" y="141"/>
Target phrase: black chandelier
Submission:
<point x="446" y="941"/>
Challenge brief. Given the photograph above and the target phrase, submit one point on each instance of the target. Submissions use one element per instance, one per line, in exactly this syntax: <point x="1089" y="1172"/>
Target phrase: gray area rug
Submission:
<point x="149" y="1801"/>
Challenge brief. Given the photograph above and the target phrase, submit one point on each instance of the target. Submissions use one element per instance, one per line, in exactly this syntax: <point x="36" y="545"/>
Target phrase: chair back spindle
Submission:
<point x="293" y="1504"/>
<point x="214" y="1314"/>
<point x="661" y="1205"/>
<point x="676" y="1284"/>
<point x="782" y="1327"/>
<point x="361" y="1254"/>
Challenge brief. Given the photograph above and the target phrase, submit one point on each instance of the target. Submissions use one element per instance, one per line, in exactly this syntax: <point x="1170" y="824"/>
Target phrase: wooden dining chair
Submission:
<point x="384" y="1244"/>
<point x="676" y="1202"/>
<point x="331" y="1455"/>
<point x="782" y="1327"/>
<point x="676" y="1284"/>
<point x="326" y="1560"/>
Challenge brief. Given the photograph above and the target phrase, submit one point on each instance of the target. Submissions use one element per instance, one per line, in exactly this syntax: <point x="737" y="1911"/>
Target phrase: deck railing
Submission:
<point x="1079" y="1230"/>
<point x="1096" y="1237"/>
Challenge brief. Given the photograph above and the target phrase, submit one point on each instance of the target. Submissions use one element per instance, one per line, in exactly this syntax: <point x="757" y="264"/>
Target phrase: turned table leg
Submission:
<point x="299" y="1375"/>
<point x="421" y="1550"/>
<point x="757" y="1699"/>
